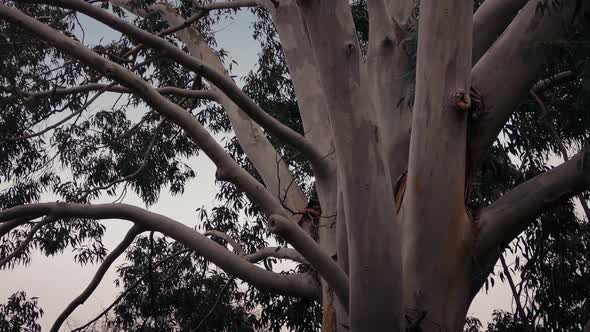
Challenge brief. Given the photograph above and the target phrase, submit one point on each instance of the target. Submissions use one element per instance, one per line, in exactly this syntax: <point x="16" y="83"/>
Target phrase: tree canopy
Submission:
<point x="173" y="91"/>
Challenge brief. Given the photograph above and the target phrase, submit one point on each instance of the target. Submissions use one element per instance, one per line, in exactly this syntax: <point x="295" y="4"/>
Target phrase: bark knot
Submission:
<point x="350" y="48"/>
<point x="461" y="100"/>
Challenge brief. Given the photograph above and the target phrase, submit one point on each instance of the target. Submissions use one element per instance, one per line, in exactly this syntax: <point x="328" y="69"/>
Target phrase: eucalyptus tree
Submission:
<point x="397" y="131"/>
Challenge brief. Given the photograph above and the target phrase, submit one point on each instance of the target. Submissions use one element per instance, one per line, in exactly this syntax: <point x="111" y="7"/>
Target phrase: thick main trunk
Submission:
<point x="435" y="227"/>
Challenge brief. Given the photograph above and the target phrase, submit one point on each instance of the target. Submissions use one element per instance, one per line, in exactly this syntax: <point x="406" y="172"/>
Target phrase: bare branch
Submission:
<point x="503" y="220"/>
<point x="517" y="53"/>
<point x="104" y="266"/>
<point x="226" y="165"/>
<point x="235" y="245"/>
<point x="167" y="90"/>
<point x="564" y="76"/>
<point x="489" y="21"/>
<point x="304" y="244"/>
<point x="515" y="295"/>
<point x="225" y="84"/>
<point x="150" y="221"/>
<point x="25" y="243"/>
<point x="64" y="120"/>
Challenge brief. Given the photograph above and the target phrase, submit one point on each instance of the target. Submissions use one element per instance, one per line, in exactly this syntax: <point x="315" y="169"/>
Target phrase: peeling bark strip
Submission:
<point x="392" y="156"/>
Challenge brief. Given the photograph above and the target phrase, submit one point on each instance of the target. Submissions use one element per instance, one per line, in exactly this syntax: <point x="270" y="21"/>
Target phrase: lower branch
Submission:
<point x="503" y="220"/>
<point x="106" y="264"/>
<point x="325" y="265"/>
<point x="150" y="221"/>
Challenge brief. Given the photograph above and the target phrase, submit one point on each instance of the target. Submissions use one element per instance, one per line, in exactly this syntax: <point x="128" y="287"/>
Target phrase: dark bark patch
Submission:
<point x="399" y="188"/>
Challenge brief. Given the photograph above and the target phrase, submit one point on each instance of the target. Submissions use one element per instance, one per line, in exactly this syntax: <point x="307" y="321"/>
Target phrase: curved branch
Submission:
<point x="106" y="264"/>
<point x="167" y="90"/>
<point x="564" y="76"/>
<point x="233" y="243"/>
<point x="503" y="220"/>
<point x="8" y="226"/>
<point x="226" y="165"/>
<point x="25" y="243"/>
<point x="517" y="52"/>
<point x="489" y="21"/>
<point x="224" y="83"/>
<point x="304" y="244"/>
<point x="150" y="221"/>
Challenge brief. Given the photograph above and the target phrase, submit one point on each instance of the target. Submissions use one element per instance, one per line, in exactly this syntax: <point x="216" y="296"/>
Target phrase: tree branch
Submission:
<point x="150" y="221"/>
<point x="515" y="295"/>
<point x="226" y="165"/>
<point x="564" y="76"/>
<point x="8" y="226"/>
<point x="233" y="243"/>
<point x="225" y="84"/>
<point x="249" y="134"/>
<point x="276" y="252"/>
<point x="518" y="52"/>
<point x="25" y="243"/>
<point x="489" y="21"/>
<point x="304" y="244"/>
<point x="106" y="264"/>
<point x="503" y="220"/>
<point x="167" y="90"/>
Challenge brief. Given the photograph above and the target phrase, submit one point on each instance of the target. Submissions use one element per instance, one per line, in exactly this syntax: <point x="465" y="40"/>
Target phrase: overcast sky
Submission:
<point x="57" y="280"/>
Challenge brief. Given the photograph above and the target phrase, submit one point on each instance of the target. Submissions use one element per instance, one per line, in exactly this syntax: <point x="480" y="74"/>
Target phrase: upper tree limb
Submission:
<point x="509" y="69"/>
<point x="226" y="165"/>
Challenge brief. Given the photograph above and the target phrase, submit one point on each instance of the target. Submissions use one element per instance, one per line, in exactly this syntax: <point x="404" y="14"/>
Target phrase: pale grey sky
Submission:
<point x="57" y="280"/>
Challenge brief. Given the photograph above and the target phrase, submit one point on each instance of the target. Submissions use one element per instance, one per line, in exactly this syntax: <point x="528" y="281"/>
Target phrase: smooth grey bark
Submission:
<point x="406" y="250"/>
<point x="436" y="239"/>
<point x="177" y="115"/>
<point x="518" y="52"/>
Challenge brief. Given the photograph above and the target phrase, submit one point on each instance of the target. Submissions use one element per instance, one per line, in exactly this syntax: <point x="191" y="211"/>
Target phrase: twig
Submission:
<point x="25" y="243"/>
<point x="519" y="308"/>
<point x="86" y="192"/>
<point x="129" y="289"/>
<point x="215" y="304"/>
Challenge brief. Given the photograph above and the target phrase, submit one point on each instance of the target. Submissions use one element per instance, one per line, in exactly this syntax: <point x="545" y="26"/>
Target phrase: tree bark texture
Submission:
<point x="393" y="146"/>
